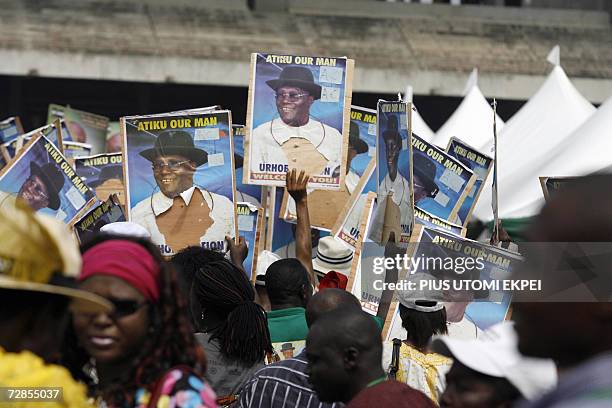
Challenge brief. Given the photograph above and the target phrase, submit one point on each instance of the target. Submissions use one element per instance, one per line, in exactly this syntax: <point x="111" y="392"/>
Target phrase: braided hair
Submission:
<point x="225" y="289"/>
<point x="171" y="341"/>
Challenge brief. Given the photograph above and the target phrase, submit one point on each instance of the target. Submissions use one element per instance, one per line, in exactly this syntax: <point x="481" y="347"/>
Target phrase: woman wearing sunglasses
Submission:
<point x="144" y="353"/>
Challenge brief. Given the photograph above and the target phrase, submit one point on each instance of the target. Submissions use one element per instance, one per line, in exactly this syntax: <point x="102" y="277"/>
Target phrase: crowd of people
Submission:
<point x="114" y="324"/>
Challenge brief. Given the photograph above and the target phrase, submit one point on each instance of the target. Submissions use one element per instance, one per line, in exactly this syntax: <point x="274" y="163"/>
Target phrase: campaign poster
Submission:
<point x="368" y="296"/>
<point x="347" y="226"/>
<point x="40" y="176"/>
<point x="84" y="127"/>
<point x="10" y="128"/>
<point x="103" y="173"/>
<point x="250" y="221"/>
<point x="180" y="178"/>
<point x="113" y="138"/>
<point x="298" y="116"/>
<point x="452" y="262"/>
<point x="325" y="206"/>
<point x="550" y="185"/>
<point x="249" y="193"/>
<point x="429" y="220"/>
<point x="441" y="182"/>
<point x="395" y="213"/>
<point x="362" y="139"/>
<point x="480" y="164"/>
<point x="105" y="212"/>
<point x="52" y="133"/>
<point x="75" y="149"/>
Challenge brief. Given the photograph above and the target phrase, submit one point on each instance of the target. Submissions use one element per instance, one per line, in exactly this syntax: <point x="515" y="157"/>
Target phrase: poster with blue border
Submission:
<point x="441" y="182"/>
<point x="298" y="117"/>
<point x="42" y="177"/>
<point x="480" y="164"/>
<point x="103" y="173"/>
<point x="180" y="179"/>
<point x="394" y="173"/>
<point x="470" y="308"/>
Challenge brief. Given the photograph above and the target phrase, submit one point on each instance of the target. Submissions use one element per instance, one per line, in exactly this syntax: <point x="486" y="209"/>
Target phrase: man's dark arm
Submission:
<point x="296" y="187"/>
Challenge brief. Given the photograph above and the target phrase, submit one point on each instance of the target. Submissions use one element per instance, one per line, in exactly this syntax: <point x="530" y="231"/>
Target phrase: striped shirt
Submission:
<point x="282" y="385"/>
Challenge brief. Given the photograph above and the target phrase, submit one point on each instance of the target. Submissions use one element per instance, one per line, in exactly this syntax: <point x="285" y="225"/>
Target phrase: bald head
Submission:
<point x="344" y="352"/>
<point x="328" y="300"/>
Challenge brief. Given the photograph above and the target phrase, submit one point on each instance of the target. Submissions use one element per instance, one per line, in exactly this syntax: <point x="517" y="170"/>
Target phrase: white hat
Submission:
<point x="126" y="228"/>
<point x="264" y="260"/>
<point x="495" y="353"/>
<point x="332" y="255"/>
<point x="421" y="300"/>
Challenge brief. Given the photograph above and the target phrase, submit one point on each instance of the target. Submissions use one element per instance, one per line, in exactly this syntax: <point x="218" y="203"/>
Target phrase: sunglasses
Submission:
<point x="124" y="308"/>
<point x="290" y="96"/>
<point x="172" y="165"/>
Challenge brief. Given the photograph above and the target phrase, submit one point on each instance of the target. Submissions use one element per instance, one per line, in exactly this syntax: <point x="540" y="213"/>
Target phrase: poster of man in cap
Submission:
<point x="441" y="182"/>
<point x="455" y="263"/>
<point x="180" y="178"/>
<point x="480" y="164"/>
<point x="394" y="217"/>
<point x="245" y="193"/>
<point x="298" y="117"/>
<point x="103" y="173"/>
<point x="41" y="177"/>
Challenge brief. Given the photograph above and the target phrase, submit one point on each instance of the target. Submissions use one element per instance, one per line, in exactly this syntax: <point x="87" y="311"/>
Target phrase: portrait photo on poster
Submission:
<point x="394" y="215"/>
<point x="42" y="178"/>
<point x="180" y="178"/>
<point x="441" y="182"/>
<point x="103" y="173"/>
<point x="480" y="164"/>
<point x="297" y="117"/>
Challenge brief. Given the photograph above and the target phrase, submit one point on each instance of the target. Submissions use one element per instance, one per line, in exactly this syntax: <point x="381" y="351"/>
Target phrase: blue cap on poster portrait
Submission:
<point x="300" y="77"/>
<point x="179" y="142"/>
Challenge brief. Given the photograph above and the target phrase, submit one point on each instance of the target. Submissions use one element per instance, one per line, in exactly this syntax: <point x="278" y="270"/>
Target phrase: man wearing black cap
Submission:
<point x="295" y="139"/>
<point x="40" y="190"/>
<point x="196" y="212"/>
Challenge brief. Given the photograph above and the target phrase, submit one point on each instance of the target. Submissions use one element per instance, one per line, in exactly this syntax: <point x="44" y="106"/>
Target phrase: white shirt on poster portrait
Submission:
<point x="268" y="137"/>
<point x="222" y="210"/>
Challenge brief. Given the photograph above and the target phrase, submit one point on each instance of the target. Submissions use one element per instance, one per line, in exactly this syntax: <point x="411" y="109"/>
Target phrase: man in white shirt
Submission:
<point x="394" y="182"/>
<point x="206" y="221"/>
<point x="295" y="139"/>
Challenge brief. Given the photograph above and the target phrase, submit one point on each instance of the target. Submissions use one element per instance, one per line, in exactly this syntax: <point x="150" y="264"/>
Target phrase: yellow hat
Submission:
<point x="38" y="253"/>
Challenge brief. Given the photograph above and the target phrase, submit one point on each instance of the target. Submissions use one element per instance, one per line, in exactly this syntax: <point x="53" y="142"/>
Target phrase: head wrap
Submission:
<point x="126" y="260"/>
